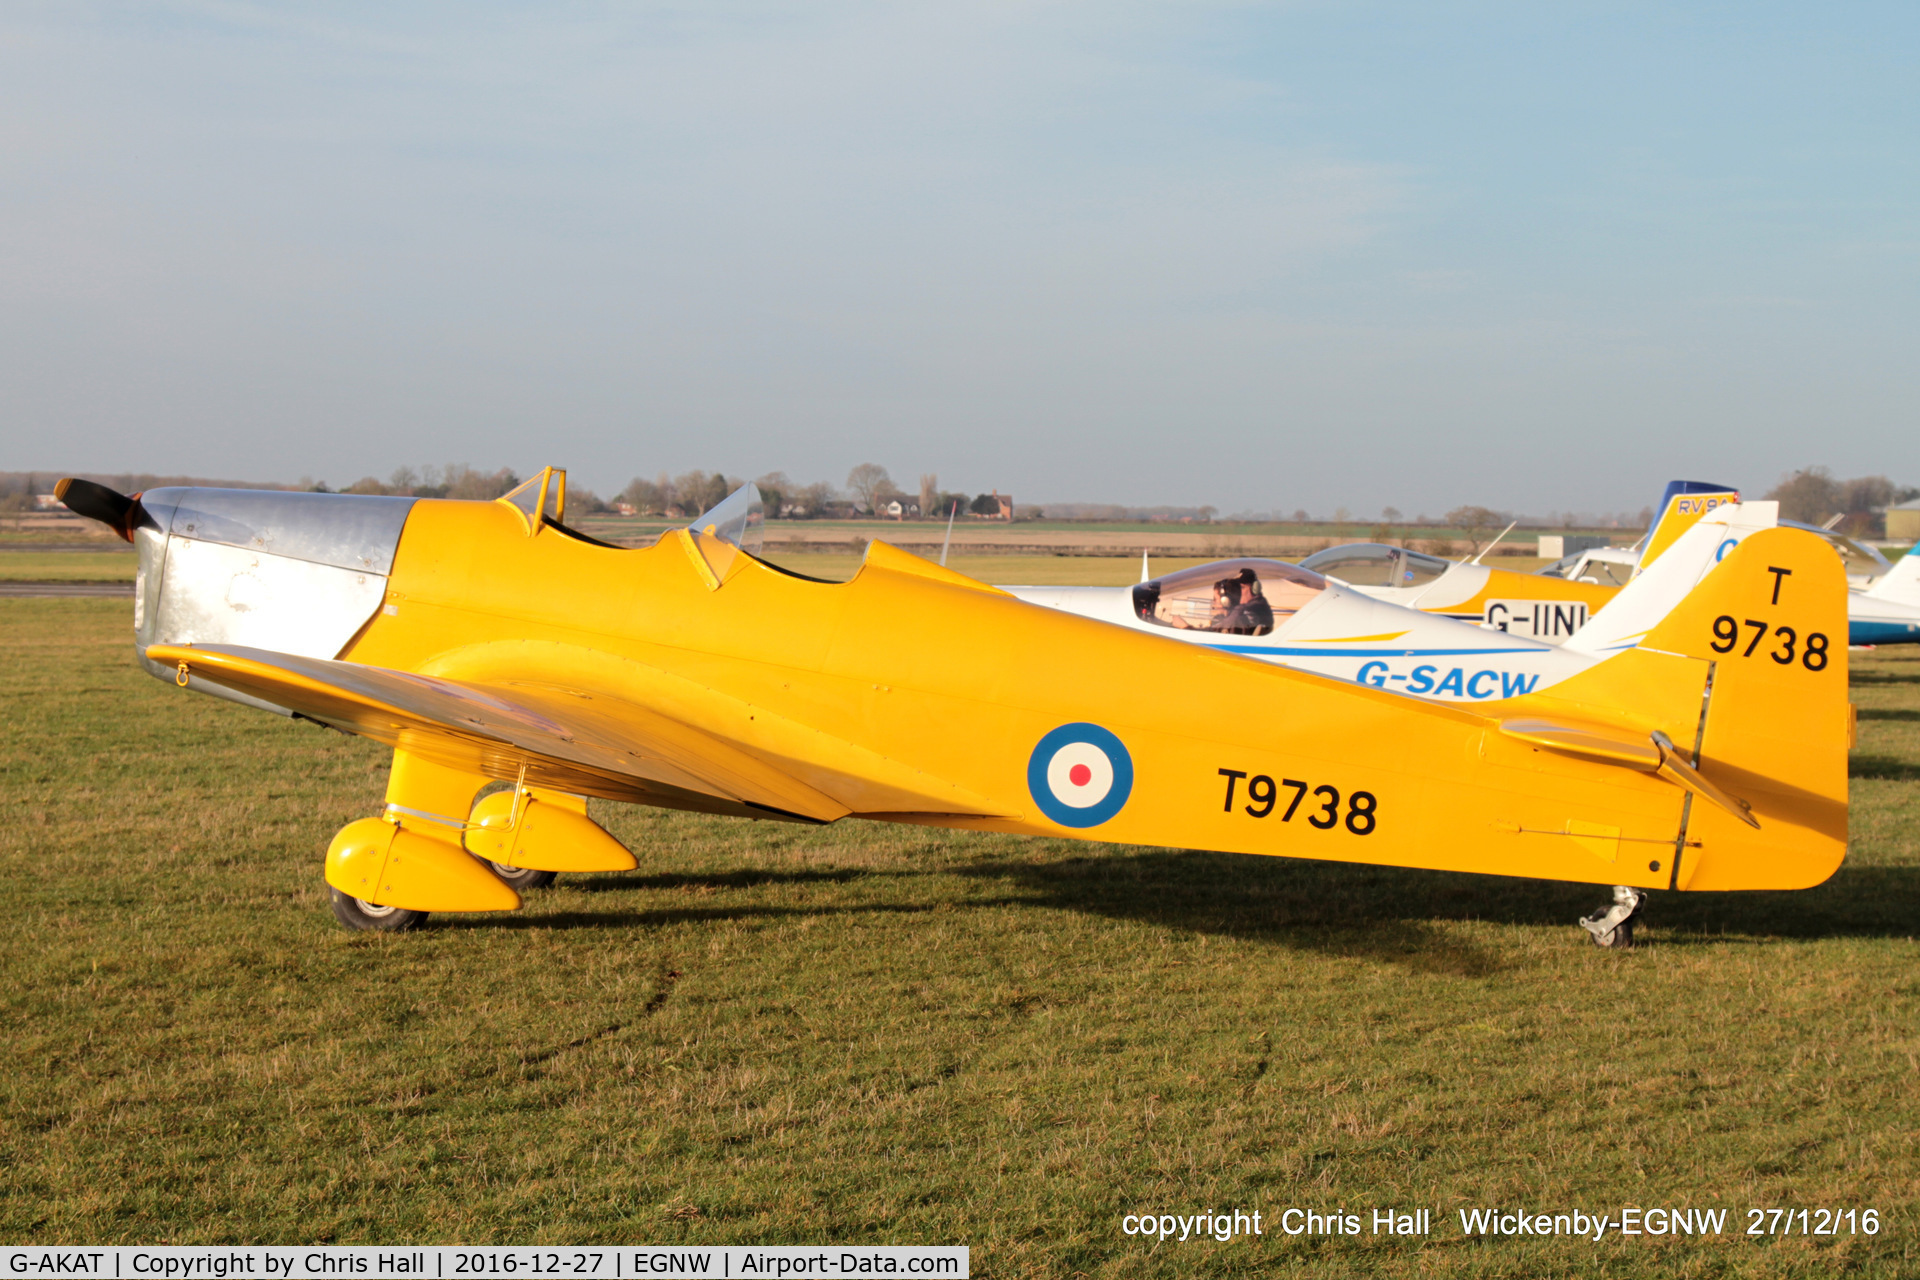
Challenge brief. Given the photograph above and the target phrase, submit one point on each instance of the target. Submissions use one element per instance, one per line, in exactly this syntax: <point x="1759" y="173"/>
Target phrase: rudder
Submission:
<point x="1771" y="622"/>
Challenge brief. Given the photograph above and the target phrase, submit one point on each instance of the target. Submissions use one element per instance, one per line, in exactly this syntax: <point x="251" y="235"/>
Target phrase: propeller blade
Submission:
<point x="97" y="502"/>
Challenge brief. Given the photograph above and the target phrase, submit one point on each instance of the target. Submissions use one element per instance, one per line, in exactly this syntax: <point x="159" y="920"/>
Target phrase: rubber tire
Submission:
<point x="363" y="917"/>
<point x="520" y="879"/>
<point x="1620" y="938"/>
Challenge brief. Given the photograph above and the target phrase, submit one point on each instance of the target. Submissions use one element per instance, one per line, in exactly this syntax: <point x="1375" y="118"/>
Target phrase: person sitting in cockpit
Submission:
<point x="1252" y="615"/>
<point x="1226" y="597"/>
<point x="1226" y="603"/>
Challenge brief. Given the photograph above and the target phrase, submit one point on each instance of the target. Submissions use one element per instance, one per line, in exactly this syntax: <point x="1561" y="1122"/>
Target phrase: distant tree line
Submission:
<point x="18" y="488"/>
<point x="869" y="490"/>
<point x="456" y="480"/>
<point x="1812" y="496"/>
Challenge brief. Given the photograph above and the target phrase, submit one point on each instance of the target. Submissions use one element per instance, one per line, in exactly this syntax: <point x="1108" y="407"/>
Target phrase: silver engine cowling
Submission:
<point x="297" y="573"/>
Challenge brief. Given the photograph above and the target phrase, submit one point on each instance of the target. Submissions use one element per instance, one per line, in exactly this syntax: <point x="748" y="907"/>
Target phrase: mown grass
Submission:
<point x="781" y="1034"/>
<point x="18" y="564"/>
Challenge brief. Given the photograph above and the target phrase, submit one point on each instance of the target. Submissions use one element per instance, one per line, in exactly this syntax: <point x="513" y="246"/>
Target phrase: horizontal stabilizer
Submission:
<point x="1654" y="753"/>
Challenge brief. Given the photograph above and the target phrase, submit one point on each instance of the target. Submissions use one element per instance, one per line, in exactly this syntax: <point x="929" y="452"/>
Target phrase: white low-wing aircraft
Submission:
<point x="1883" y="602"/>
<point x="1551" y="605"/>
<point x="1888" y="612"/>
<point x="1290" y="615"/>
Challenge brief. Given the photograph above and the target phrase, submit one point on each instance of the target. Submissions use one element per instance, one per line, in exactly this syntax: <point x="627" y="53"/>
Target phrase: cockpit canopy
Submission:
<point x="1861" y="559"/>
<point x="1607" y="566"/>
<point x="1374" y="564"/>
<point x="1232" y="597"/>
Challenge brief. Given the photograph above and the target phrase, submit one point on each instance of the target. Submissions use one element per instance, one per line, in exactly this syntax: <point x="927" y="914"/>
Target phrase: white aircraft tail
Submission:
<point x="1658" y="589"/>
<point x="1900" y="584"/>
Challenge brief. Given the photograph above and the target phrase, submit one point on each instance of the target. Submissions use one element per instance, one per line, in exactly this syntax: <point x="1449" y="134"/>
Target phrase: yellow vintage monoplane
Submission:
<point x="517" y="667"/>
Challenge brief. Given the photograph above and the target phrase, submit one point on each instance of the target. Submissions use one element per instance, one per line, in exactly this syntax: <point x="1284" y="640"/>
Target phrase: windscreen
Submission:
<point x="736" y="523"/>
<point x="1230" y="597"/>
<point x="1374" y="564"/>
<point x="738" y="518"/>
<point x="546" y="492"/>
<point x="1558" y="569"/>
<point x="1606" y="573"/>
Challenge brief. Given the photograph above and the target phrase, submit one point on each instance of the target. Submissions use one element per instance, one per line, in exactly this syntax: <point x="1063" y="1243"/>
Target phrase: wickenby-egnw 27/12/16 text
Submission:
<point x="1661" y="1221"/>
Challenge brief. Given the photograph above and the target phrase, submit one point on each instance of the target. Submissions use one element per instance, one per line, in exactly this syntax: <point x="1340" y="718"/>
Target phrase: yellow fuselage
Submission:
<point x="914" y="694"/>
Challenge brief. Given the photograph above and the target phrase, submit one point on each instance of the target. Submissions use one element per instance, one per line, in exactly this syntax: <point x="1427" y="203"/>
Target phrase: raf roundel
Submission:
<point x="1080" y="775"/>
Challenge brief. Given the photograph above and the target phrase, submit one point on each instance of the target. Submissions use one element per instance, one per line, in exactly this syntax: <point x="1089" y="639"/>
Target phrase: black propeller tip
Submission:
<point x="97" y="502"/>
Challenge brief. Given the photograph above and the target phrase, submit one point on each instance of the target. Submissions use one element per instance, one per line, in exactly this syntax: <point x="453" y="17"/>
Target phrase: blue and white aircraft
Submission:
<point x="1883" y="603"/>
<point x="1888" y="612"/>
<point x="1290" y="615"/>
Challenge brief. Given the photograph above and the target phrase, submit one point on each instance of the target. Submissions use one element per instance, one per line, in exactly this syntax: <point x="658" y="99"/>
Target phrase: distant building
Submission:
<point x="625" y="509"/>
<point x="1903" y="522"/>
<point x="1555" y="546"/>
<point x="47" y="502"/>
<point x="999" y="506"/>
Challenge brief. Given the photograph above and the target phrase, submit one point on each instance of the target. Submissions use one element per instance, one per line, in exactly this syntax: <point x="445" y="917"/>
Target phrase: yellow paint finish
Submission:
<point x="422" y="793"/>
<point x="358" y="855"/>
<point x="1776" y="731"/>
<point x="546" y="836"/>
<point x="904" y="695"/>
<point x="1384" y="635"/>
<point x="1505" y="584"/>
<point x="387" y="866"/>
<point x="1682" y="513"/>
<point x="1597" y="838"/>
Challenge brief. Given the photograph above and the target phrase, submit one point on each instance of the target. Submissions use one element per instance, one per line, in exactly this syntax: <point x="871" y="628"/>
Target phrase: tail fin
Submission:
<point x="1629" y="617"/>
<point x="1762" y="644"/>
<point x="1900" y="584"/>
<point x="1681" y="506"/>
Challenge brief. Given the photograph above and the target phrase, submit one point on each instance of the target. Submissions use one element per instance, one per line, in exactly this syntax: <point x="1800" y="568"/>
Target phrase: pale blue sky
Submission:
<point x="1259" y="256"/>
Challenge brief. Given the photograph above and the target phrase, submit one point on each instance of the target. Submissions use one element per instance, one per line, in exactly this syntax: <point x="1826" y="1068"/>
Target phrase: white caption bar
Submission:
<point x="482" y="1262"/>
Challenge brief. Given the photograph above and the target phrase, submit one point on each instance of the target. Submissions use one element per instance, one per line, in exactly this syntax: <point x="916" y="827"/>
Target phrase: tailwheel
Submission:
<point x="522" y="878"/>
<point x="1612" y="926"/>
<point x="362" y="916"/>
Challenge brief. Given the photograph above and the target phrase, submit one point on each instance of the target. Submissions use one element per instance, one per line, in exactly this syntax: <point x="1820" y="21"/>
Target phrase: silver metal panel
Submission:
<point x="214" y="594"/>
<point x="158" y="504"/>
<point x="348" y="531"/>
<point x="151" y="544"/>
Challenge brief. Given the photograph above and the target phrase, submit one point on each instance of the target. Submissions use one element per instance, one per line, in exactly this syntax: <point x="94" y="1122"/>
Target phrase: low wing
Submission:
<point x="585" y="743"/>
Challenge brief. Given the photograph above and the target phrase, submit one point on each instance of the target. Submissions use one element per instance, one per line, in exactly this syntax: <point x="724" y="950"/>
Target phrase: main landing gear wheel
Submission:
<point x="520" y="879"/>
<point x="364" y="916"/>
<point x="1612" y="926"/>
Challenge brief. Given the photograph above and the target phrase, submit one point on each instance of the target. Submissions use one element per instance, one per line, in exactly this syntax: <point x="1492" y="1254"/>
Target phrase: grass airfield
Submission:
<point x="864" y="1033"/>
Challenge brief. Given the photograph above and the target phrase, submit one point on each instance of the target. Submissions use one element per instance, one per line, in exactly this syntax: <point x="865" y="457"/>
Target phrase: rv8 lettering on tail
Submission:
<point x="1264" y="797"/>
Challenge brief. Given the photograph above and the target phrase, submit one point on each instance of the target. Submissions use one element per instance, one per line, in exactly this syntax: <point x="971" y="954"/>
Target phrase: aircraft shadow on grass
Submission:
<point x="1883" y="769"/>
<point x="1883" y="677"/>
<point x="1385" y="914"/>
<point x="1398" y="915"/>
<point x="684" y="915"/>
<point x="747" y="878"/>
